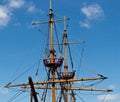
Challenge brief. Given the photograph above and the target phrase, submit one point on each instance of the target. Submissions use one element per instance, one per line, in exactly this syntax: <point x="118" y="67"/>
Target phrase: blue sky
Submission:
<point x="95" y="21"/>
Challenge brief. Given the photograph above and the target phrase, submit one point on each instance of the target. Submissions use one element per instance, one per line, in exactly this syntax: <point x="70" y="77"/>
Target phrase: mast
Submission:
<point x="52" y="51"/>
<point x="65" y="58"/>
<point x="51" y="26"/>
<point x="65" y="45"/>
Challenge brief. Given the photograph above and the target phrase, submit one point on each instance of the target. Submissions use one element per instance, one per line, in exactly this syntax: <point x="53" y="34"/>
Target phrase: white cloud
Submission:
<point x="16" y="3"/>
<point x="112" y="87"/>
<point x="93" y="12"/>
<point x="85" y="24"/>
<point x="31" y="9"/>
<point x="3" y="90"/>
<point x="5" y="16"/>
<point x="109" y="97"/>
<point x="41" y="11"/>
<point x="6" y="11"/>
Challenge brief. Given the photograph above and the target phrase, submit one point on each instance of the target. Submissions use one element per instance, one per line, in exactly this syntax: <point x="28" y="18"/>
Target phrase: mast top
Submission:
<point x="65" y="24"/>
<point x="50" y="4"/>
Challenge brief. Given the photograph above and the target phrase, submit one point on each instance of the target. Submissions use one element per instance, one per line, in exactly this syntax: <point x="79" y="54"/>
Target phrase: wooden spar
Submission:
<point x="73" y="88"/>
<point x="46" y="22"/>
<point x="65" y="60"/>
<point x="52" y="50"/>
<point x="56" y="81"/>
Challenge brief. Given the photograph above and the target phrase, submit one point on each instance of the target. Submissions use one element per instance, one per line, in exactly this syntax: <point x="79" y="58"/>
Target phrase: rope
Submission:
<point x="41" y="54"/>
<point x="95" y="83"/>
<point x="104" y="98"/>
<point x="16" y="95"/>
<point x="17" y="69"/>
<point x="89" y="69"/>
<point x="62" y="91"/>
<point x="80" y="98"/>
<point x="70" y="56"/>
<point x="45" y="90"/>
<point x="57" y="39"/>
<point x="73" y="94"/>
<point x="21" y="99"/>
<point x="46" y="47"/>
<point x="29" y="67"/>
<point x="23" y="73"/>
<point x="82" y="54"/>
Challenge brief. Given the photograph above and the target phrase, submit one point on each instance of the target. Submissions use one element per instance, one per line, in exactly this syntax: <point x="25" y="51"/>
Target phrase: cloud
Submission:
<point x="3" y="90"/>
<point x="92" y="12"/>
<point x="5" y="16"/>
<point x="6" y="11"/>
<point x="16" y="3"/>
<point x="31" y="9"/>
<point x="109" y="97"/>
<point x="85" y="24"/>
<point x="112" y="87"/>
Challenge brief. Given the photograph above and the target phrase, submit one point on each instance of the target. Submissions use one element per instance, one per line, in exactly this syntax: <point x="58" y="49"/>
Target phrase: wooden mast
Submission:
<point x="65" y="59"/>
<point x="52" y="51"/>
<point x="51" y="26"/>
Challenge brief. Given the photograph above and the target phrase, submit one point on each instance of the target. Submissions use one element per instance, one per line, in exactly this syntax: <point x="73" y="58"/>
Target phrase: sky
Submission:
<point x="95" y="21"/>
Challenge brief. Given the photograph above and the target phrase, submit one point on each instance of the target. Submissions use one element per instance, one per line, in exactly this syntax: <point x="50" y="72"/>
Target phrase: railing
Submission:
<point x="56" y="63"/>
<point x="66" y="75"/>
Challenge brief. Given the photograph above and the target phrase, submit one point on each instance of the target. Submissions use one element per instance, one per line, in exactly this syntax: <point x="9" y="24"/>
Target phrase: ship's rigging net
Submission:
<point x="56" y="72"/>
<point x="46" y="94"/>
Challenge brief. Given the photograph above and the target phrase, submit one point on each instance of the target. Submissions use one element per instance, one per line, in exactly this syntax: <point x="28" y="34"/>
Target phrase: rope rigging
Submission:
<point x="62" y="93"/>
<point x="82" y="53"/>
<point x="45" y="51"/>
<point x="85" y="63"/>
<point x="72" y="94"/>
<point x="53" y="79"/>
<point x="104" y="98"/>
<point x="70" y="57"/>
<point x="16" y="95"/>
<point x="41" y="54"/>
<point x="45" y="90"/>
<point x="80" y="98"/>
<point x="57" y="39"/>
<point x="27" y="70"/>
<point x="91" y="84"/>
<point x="95" y="83"/>
<point x="22" y="98"/>
<point x="46" y="46"/>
